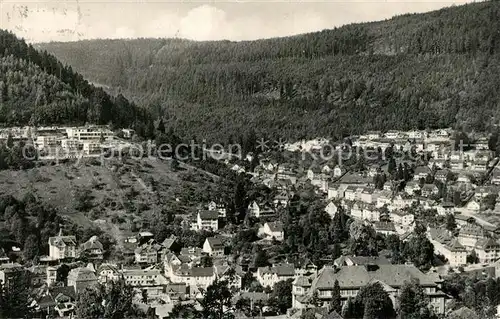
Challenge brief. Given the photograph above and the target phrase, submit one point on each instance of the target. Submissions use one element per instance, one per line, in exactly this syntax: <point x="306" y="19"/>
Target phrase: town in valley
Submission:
<point x="305" y="233"/>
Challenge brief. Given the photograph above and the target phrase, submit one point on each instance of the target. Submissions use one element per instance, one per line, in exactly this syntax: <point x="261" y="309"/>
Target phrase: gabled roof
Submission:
<point x="215" y="243"/>
<point x="359" y="276"/>
<point x="61" y="241"/>
<point x="422" y="170"/>
<point x="208" y="214"/>
<point x="275" y="226"/>
<point x="92" y="243"/>
<point x="487" y="243"/>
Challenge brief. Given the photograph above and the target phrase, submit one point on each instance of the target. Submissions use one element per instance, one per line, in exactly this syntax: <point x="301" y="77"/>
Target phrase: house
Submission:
<point x="462" y="178"/>
<point x="446" y="208"/>
<point x="429" y="190"/>
<point x="348" y="260"/>
<point x="487" y="250"/>
<point x="384" y="198"/>
<point x="483" y="191"/>
<point x="207" y="220"/>
<point x="392" y="134"/>
<point x="219" y="207"/>
<point x="171" y="244"/>
<point x="400" y="217"/>
<point x="373" y="135"/>
<point x="269" y="276"/>
<point x="442" y="175"/>
<point x="421" y="172"/>
<point x="457" y="164"/>
<point x="336" y="191"/>
<point x="274" y="230"/>
<point x="495" y="177"/>
<point x="128" y="133"/>
<point x="213" y="246"/>
<point x="479" y="165"/>
<point x="338" y="171"/>
<point x="147" y="253"/>
<point x="470" y="234"/>
<point x="384" y="228"/>
<point x="92" y="249"/>
<point x="9" y="273"/>
<point x="448" y="246"/>
<point x="62" y="247"/>
<point x="194" y="277"/>
<point x="351" y="193"/>
<point x="107" y="273"/>
<point x="473" y="205"/>
<point x="368" y="195"/>
<point x="331" y="209"/>
<point x="412" y="187"/>
<point x="51" y="275"/>
<point x="81" y="278"/>
<point x="264" y="210"/>
<point x="313" y="172"/>
<point x="352" y="279"/>
<point x="416" y="134"/>
<point x="463" y="220"/>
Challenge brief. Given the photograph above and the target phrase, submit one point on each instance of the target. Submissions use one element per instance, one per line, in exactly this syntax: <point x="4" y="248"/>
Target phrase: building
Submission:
<point x="331" y="209"/>
<point x="352" y="279"/>
<point x="446" y="208"/>
<point x="469" y="235"/>
<point x="208" y="220"/>
<point x="92" y="249"/>
<point x="128" y="133"/>
<point x="421" y="172"/>
<point x="81" y="278"/>
<point x="264" y="210"/>
<point x="195" y="277"/>
<point x="347" y="261"/>
<point x="62" y="247"/>
<point x="384" y="228"/>
<point x="89" y="133"/>
<point x="400" y="217"/>
<point x="213" y="246"/>
<point x="429" y="190"/>
<point x="9" y="273"/>
<point x="147" y="253"/>
<point x="144" y="278"/>
<point x="51" y="275"/>
<point x="274" y="230"/>
<point x="269" y="276"/>
<point x="219" y="207"/>
<point x="448" y="246"/>
<point x="487" y="250"/>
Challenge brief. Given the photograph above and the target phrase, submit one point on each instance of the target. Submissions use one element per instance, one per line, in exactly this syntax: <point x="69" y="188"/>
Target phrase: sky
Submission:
<point x="62" y="20"/>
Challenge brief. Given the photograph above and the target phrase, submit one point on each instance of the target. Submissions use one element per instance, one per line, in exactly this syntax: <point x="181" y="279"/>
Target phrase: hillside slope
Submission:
<point x="36" y="88"/>
<point x="413" y="71"/>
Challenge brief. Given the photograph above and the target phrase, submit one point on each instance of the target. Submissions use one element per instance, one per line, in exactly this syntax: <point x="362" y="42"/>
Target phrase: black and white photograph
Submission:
<point x="238" y="159"/>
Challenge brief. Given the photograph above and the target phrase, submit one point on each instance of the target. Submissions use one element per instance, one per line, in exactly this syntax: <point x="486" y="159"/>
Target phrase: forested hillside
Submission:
<point x="413" y="71"/>
<point x="36" y="88"/>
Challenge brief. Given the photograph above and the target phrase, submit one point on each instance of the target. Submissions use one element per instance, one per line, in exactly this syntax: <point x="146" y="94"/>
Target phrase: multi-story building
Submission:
<point x="269" y="276"/>
<point x="213" y="246"/>
<point x="448" y="246"/>
<point x="81" y="278"/>
<point x="487" y="250"/>
<point x="208" y="219"/>
<point x="62" y="247"/>
<point x="88" y="133"/>
<point x="352" y="279"/>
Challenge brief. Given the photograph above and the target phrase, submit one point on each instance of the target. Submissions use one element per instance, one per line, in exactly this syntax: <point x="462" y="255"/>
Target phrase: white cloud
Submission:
<point x="65" y="20"/>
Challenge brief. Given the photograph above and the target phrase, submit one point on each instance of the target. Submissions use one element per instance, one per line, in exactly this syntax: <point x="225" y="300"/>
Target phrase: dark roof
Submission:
<point x="67" y="291"/>
<point x="209" y="214"/>
<point x="360" y="276"/>
<point x="215" y="242"/>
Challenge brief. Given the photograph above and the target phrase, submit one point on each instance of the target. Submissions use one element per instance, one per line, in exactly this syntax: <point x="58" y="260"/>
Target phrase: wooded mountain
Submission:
<point x="35" y="88"/>
<point x="429" y="70"/>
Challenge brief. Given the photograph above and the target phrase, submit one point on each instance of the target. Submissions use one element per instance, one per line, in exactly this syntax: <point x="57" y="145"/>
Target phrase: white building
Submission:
<point x="208" y="220"/>
<point x="62" y="247"/>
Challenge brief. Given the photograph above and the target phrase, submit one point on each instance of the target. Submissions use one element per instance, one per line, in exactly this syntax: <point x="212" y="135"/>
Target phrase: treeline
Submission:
<point x="413" y="71"/>
<point x="36" y="88"/>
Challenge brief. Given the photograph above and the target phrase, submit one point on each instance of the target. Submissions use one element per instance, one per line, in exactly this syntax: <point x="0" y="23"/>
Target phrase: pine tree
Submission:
<point x="335" y="303"/>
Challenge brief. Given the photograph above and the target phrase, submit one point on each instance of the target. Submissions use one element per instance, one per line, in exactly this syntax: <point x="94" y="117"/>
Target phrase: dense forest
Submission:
<point x="36" y="88"/>
<point x="413" y="71"/>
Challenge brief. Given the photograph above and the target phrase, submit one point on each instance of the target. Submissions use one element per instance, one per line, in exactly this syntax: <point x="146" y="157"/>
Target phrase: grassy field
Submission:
<point x="117" y="193"/>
